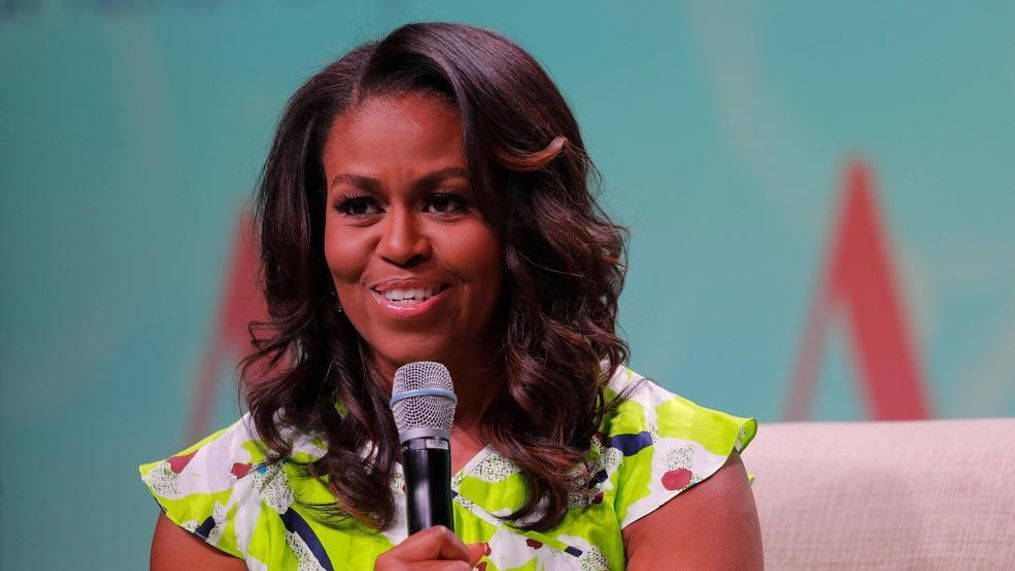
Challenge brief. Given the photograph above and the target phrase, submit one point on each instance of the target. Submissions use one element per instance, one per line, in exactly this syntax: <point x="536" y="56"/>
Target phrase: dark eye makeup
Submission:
<point x="438" y="202"/>
<point x="357" y="205"/>
<point x="446" y="203"/>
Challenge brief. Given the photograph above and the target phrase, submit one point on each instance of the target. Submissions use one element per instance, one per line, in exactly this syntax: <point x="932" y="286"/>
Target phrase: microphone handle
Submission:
<point x="426" y="464"/>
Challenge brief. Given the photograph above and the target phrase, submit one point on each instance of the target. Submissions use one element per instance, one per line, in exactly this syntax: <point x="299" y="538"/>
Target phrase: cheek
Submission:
<point x="480" y="260"/>
<point x="344" y="255"/>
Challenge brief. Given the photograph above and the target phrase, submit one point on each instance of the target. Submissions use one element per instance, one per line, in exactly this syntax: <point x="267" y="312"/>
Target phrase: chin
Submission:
<point x="397" y="354"/>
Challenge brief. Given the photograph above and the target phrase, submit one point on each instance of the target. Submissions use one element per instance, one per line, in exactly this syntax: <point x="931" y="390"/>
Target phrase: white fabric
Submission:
<point x="886" y="495"/>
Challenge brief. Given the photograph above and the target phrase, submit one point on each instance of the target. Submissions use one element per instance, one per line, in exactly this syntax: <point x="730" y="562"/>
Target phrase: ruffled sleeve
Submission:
<point x="201" y="488"/>
<point x="657" y="444"/>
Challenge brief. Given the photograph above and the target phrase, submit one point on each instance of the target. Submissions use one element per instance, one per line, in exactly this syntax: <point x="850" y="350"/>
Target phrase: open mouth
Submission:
<point x="410" y="296"/>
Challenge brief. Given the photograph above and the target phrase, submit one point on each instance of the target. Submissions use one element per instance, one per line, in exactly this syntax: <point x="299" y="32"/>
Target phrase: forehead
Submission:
<point x="415" y="131"/>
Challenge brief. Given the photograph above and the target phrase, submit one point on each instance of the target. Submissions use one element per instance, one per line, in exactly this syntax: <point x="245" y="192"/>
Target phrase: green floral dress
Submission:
<point x="652" y="448"/>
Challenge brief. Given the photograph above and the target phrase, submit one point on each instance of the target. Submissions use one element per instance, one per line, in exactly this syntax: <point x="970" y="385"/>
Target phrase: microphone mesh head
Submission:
<point x="424" y="411"/>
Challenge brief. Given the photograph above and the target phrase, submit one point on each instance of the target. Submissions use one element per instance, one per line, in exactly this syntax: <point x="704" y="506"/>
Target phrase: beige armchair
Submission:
<point x="886" y="495"/>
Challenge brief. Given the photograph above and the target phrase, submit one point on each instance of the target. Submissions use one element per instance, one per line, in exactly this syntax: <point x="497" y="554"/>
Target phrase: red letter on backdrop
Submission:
<point x="241" y="303"/>
<point x="859" y="282"/>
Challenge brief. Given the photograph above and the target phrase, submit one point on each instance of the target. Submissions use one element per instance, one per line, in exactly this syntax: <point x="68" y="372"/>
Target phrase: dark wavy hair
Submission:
<point x="565" y="262"/>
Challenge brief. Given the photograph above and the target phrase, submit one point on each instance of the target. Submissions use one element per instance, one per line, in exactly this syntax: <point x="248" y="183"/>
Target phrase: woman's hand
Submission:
<point x="435" y="548"/>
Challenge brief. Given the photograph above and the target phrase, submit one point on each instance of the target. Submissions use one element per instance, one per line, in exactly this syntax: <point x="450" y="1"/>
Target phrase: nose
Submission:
<point x="402" y="244"/>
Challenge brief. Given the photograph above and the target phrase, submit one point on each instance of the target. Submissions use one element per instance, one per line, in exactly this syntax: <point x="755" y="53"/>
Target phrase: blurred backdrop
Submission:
<point x="820" y="195"/>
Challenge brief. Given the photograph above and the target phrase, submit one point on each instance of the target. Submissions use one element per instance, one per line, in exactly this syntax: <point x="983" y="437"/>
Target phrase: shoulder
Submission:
<point x="655" y="444"/>
<point x="718" y="517"/>
<point x="217" y="488"/>
<point x="211" y="465"/>
<point x="196" y="487"/>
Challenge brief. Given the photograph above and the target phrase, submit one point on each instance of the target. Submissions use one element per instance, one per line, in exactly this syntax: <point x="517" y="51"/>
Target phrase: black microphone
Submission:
<point x="423" y="402"/>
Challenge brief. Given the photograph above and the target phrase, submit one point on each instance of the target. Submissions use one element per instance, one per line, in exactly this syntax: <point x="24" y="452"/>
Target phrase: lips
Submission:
<point x="408" y="296"/>
<point x="407" y="293"/>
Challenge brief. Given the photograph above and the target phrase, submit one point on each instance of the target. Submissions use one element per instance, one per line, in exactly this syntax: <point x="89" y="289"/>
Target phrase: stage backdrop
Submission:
<point x="821" y="200"/>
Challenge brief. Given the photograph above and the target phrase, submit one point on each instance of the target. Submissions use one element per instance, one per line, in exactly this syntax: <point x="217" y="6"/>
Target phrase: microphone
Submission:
<point x="423" y="402"/>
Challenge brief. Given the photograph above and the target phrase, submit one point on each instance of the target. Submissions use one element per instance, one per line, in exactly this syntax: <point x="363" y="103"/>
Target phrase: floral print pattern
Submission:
<point x="654" y="446"/>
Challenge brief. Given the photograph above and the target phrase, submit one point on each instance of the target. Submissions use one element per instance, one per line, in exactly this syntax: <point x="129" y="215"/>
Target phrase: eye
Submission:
<point x="358" y="206"/>
<point x="445" y="203"/>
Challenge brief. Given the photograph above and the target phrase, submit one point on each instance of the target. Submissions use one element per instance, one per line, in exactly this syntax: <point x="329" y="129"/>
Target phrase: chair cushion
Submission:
<point x="886" y="495"/>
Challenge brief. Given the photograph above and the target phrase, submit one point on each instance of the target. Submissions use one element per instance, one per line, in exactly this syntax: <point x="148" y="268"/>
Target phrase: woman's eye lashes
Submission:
<point x="433" y="203"/>
<point x="446" y="203"/>
<point x="357" y="206"/>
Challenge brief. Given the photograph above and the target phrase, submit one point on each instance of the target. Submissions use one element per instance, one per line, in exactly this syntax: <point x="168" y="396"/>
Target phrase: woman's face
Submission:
<point x="417" y="269"/>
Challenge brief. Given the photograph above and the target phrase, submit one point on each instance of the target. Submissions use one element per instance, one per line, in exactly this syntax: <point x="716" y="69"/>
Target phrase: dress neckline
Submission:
<point x="471" y="465"/>
<point x="465" y="470"/>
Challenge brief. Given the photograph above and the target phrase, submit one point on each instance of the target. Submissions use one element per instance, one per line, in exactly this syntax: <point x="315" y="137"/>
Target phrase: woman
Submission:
<point x="427" y="197"/>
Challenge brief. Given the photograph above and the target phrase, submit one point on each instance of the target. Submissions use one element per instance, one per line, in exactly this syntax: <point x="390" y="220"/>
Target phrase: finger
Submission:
<point x="432" y="543"/>
<point x="454" y="548"/>
<point x="431" y="565"/>
<point x="441" y="566"/>
<point x="476" y="552"/>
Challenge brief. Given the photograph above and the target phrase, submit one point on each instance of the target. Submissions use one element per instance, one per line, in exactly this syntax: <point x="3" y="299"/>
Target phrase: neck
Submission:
<point x="476" y="387"/>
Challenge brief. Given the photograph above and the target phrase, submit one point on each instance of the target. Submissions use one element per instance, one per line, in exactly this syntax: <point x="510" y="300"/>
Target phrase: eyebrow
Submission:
<point x="373" y="185"/>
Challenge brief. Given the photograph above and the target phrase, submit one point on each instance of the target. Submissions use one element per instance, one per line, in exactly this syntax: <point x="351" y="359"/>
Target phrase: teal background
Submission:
<point x="131" y="132"/>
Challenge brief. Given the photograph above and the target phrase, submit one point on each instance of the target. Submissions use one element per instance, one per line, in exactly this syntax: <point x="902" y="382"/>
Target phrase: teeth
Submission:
<point x="414" y="295"/>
